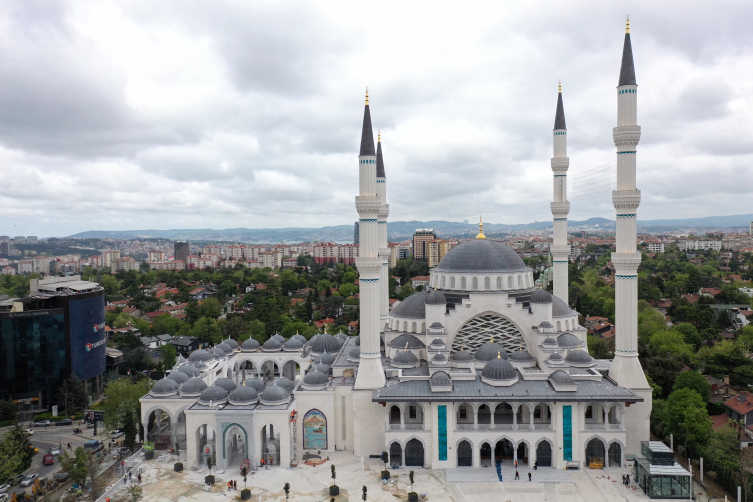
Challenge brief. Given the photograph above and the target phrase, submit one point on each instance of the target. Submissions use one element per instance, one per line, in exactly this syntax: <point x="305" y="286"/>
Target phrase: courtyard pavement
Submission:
<point x="309" y="484"/>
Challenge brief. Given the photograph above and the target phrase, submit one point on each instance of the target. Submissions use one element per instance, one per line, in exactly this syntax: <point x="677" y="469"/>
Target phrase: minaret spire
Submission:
<point x="560" y="163"/>
<point x="367" y="135"/>
<point x="626" y="368"/>
<point x="380" y="160"/>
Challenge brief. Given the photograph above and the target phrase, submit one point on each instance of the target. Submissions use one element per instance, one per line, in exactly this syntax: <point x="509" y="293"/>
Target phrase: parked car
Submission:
<point x="60" y="476"/>
<point x="48" y="460"/>
<point x="29" y="431"/>
<point x="4" y="488"/>
<point x="65" y="421"/>
<point x="16" y="480"/>
<point x="28" y="480"/>
<point x="3" y="497"/>
<point x="42" y="423"/>
<point x="116" y="434"/>
<point x="54" y="451"/>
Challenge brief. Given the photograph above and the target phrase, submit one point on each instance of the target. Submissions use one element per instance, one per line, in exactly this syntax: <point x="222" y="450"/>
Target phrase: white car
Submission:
<point x="43" y="423"/>
<point x="116" y="434"/>
<point x="29" y="431"/>
<point x="4" y="488"/>
<point x="28" y="480"/>
<point x="54" y="451"/>
<point x="3" y="497"/>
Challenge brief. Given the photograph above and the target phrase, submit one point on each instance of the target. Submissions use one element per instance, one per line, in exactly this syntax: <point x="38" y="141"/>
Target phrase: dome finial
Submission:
<point x="499" y="354"/>
<point x="379" y="136"/>
<point x="627" y="25"/>
<point x="367" y="99"/>
<point x="560" y="86"/>
<point x="406" y="347"/>
<point x="480" y="228"/>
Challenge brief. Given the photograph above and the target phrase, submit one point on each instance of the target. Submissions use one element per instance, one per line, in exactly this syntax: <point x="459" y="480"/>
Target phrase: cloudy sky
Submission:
<point x="195" y="114"/>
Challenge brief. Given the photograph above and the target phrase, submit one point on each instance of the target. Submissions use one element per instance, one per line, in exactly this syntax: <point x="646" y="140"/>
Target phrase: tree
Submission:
<point x="130" y="431"/>
<point x="690" y="334"/>
<point x="727" y="358"/>
<point x="8" y="410"/>
<point x="363" y="497"/>
<point x="670" y="342"/>
<point x="286" y="489"/>
<point x="168" y="354"/>
<point x="135" y="491"/>
<point x="11" y="460"/>
<point x="663" y="372"/>
<point x="685" y="416"/>
<point x="693" y="380"/>
<point x="72" y="394"/>
<point x="166" y="324"/>
<point x="211" y="308"/>
<point x="76" y="465"/>
<point x="122" y="398"/>
<point x="228" y="288"/>
<point x="206" y="329"/>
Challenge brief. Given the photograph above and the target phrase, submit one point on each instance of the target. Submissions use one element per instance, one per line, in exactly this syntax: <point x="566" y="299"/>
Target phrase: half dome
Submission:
<point x="413" y="307"/>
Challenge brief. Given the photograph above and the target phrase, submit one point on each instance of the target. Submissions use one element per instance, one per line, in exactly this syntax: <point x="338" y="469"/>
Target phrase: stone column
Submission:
<point x="515" y="417"/>
<point x="491" y="418"/>
<point x="530" y="416"/>
<point x="475" y="418"/>
<point x="402" y="419"/>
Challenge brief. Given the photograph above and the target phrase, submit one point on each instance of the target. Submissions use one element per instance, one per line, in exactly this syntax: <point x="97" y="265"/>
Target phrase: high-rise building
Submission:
<point x="181" y="251"/>
<point x="560" y="206"/>
<point x="626" y="369"/>
<point x="420" y="239"/>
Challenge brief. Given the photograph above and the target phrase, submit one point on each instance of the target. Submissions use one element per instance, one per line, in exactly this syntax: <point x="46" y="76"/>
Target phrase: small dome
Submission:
<point x="355" y="353"/>
<point x="217" y="353"/>
<point x="562" y="378"/>
<point x="285" y="383"/>
<point x="325" y="358"/>
<point x="545" y="324"/>
<point x="165" y="387"/>
<point x="300" y="338"/>
<point x="405" y="357"/>
<point x="541" y="296"/>
<point x="407" y="341"/>
<point x="226" y="384"/>
<point x="499" y="369"/>
<point x="201" y="365"/>
<point x="233" y="344"/>
<point x="274" y="395"/>
<point x="413" y="307"/>
<point x="462" y="356"/>
<point x="568" y="341"/>
<point x="489" y="351"/>
<point x="250" y="345"/>
<point x="324" y="368"/>
<point x="178" y="376"/>
<point x="439" y="359"/>
<point x="521" y="356"/>
<point x="435" y="297"/>
<point x="271" y="345"/>
<point x="224" y="347"/>
<point x="190" y="370"/>
<point x="550" y="342"/>
<point x="555" y="357"/>
<point x="342" y="336"/>
<point x="200" y="355"/>
<point x="279" y="338"/>
<point x="579" y="357"/>
<point x="256" y="384"/>
<point x="292" y="345"/>
<point x="437" y="343"/>
<point x="213" y="394"/>
<point x="315" y="378"/>
<point x="440" y="379"/>
<point x="325" y="343"/>
<point x="560" y="308"/>
<point x="436" y="325"/>
<point x="244" y="395"/>
<point x="193" y="387"/>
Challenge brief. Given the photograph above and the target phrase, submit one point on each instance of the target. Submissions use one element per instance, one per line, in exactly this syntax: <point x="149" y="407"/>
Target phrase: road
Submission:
<point x="45" y="438"/>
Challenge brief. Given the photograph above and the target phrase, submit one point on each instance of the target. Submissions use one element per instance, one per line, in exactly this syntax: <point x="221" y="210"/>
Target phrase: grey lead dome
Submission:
<point x="481" y="256"/>
<point x="541" y="296"/>
<point x="244" y="395"/>
<point x="200" y="355"/>
<point x="256" y="384"/>
<point x="226" y="384"/>
<point x="413" y="307"/>
<point x="178" y="376"/>
<point x="440" y="378"/>
<point x="213" y="394"/>
<point x="274" y="395"/>
<point x="315" y="378"/>
<point x="250" y="345"/>
<point x="193" y="387"/>
<point x="325" y="343"/>
<point x="521" y="355"/>
<point x="435" y="297"/>
<point x="165" y="387"/>
<point x="499" y="369"/>
<point x="489" y="351"/>
<point x="405" y="357"/>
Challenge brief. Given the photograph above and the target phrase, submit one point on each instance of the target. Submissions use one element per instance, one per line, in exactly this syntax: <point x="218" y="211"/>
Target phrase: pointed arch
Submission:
<point x="442" y="282"/>
<point x="475" y="283"/>
<point x="499" y="282"/>
<point x="477" y="330"/>
<point x="452" y="282"/>
<point x="462" y="283"/>
<point x="520" y="282"/>
<point x="487" y="283"/>
<point x="509" y="282"/>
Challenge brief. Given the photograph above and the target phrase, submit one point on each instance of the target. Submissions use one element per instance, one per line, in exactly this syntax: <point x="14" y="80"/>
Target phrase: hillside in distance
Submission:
<point x="402" y="230"/>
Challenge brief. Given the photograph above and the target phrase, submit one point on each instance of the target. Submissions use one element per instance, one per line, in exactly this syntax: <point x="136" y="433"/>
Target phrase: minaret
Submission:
<point x="369" y="264"/>
<point x="626" y="369"/>
<point x="560" y="206"/>
<point x="384" y="250"/>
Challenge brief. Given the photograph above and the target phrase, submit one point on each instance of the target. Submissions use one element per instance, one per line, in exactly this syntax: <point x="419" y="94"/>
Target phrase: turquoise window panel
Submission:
<point x="567" y="432"/>
<point x="442" y="429"/>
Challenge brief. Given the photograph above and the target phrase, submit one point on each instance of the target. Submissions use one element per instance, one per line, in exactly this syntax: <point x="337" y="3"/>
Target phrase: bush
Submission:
<point x="48" y="416"/>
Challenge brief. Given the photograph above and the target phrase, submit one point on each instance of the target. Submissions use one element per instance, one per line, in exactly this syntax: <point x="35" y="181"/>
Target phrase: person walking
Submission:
<point x="517" y="476"/>
<point x="516" y="464"/>
<point x="529" y="475"/>
<point x="125" y="478"/>
<point x="139" y="478"/>
<point x="536" y="465"/>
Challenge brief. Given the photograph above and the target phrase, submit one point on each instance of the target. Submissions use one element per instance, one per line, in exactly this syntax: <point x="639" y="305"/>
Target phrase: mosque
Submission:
<point x="482" y="365"/>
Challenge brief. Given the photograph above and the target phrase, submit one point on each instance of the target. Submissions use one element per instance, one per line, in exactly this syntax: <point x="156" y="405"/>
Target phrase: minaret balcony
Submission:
<point x="626" y="199"/>
<point x="628" y="135"/>
<point x="560" y="209"/>
<point x="560" y="164"/>
<point x="368" y="204"/>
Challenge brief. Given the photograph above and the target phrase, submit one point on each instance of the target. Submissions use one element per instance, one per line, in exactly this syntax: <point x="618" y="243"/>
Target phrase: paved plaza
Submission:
<point x="162" y="484"/>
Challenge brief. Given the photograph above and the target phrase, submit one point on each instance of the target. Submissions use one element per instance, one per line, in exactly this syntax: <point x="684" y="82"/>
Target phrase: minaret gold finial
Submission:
<point x="560" y="86"/>
<point x="367" y="100"/>
<point x="627" y="25"/>
<point x="379" y="133"/>
<point x="480" y="228"/>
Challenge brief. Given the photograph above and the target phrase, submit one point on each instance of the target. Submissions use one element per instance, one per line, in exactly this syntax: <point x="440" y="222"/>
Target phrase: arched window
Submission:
<point x="559" y="327"/>
<point x="462" y="283"/>
<point x="413" y="327"/>
<point x="452" y="282"/>
<point x="520" y="282"/>
<point x="405" y="326"/>
<point x="509" y="282"/>
<point x="499" y="282"/>
<point x="423" y="327"/>
<point x="475" y="283"/>
<point x="442" y="286"/>
<point x="529" y="278"/>
<point x="487" y="283"/>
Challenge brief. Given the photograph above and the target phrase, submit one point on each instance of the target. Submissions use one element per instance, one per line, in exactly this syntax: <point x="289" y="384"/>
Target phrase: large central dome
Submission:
<point x="481" y="256"/>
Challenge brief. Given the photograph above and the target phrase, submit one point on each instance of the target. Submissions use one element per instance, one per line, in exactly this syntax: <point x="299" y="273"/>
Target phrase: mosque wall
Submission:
<point x="368" y="423"/>
<point x="324" y="401"/>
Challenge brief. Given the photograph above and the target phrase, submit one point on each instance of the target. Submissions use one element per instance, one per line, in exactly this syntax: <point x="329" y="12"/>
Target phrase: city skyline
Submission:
<point x="193" y="118"/>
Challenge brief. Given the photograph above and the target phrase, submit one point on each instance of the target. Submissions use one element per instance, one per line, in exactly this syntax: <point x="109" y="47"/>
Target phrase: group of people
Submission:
<point x="232" y="485"/>
<point x="517" y="475"/>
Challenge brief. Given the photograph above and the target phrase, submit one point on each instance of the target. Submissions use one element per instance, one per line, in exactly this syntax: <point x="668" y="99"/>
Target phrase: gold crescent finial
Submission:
<point x="480" y="228"/>
<point x="560" y="86"/>
<point x="627" y="25"/>
<point x="367" y="99"/>
<point x="379" y="136"/>
<point x="406" y="347"/>
<point x="499" y="355"/>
